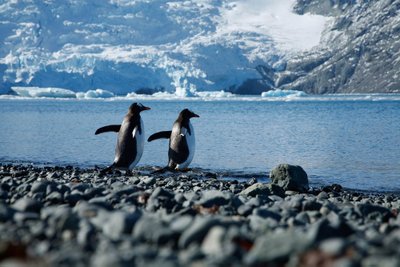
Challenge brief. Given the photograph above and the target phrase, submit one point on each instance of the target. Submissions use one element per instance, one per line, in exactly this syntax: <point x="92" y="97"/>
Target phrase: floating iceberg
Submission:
<point x="49" y="92"/>
<point x="283" y="93"/>
<point x="98" y="93"/>
<point x="213" y="95"/>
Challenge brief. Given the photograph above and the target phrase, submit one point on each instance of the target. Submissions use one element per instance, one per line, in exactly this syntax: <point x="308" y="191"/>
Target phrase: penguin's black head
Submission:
<point x="137" y="108"/>
<point x="187" y="114"/>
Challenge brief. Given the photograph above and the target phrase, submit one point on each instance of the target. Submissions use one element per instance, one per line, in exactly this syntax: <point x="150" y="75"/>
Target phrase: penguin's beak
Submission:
<point x="195" y="115"/>
<point x="146" y="108"/>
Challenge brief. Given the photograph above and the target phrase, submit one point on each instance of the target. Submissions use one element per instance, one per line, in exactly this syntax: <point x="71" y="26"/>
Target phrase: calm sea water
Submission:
<point x="354" y="143"/>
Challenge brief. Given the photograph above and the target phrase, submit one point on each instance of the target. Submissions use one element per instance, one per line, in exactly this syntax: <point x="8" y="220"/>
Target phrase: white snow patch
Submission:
<point x="273" y="18"/>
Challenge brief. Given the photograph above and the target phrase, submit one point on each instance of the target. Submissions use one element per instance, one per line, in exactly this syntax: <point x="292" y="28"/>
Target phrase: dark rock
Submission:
<point x="21" y="173"/>
<point x="81" y="187"/>
<point x="120" y="223"/>
<point x="160" y="192"/>
<point x="149" y="180"/>
<point x="333" y="188"/>
<point x="192" y="196"/>
<point x="290" y="177"/>
<point x="294" y="202"/>
<point x="126" y="191"/>
<point x="266" y="213"/>
<point x="96" y="215"/>
<point x="197" y="231"/>
<point x="24" y="188"/>
<point x="181" y="223"/>
<point x="28" y="205"/>
<point x="51" y="187"/>
<point x="322" y="195"/>
<point x="101" y="202"/>
<point x="6" y="213"/>
<point x="161" y="198"/>
<point x="39" y="187"/>
<point x="245" y="210"/>
<point x="211" y="198"/>
<point x="191" y="254"/>
<point x="60" y="218"/>
<point x="153" y="230"/>
<point x="259" y="224"/>
<point x="63" y="189"/>
<point x="72" y="199"/>
<point x="311" y="205"/>
<point x="263" y="189"/>
<point x="275" y="249"/>
<point x="333" y="228"/>
<point x="5" y="187"/>
<point x="93" y="192"/>
<point x="55" y="197"/>
<point x="86" y="236"/>
<point x="374" y="211"/>
<point x="303" y="218"/>
<point x="381" y="260"/>
<point x="23" y="217"/>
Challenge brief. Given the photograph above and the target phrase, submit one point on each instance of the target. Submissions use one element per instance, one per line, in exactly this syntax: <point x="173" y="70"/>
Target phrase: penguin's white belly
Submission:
<point x="190" y="140"/>
<point x="139" y="137"/>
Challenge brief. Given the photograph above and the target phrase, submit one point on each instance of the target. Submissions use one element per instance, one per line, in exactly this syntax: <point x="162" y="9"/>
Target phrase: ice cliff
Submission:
<point x="241" y="46"/>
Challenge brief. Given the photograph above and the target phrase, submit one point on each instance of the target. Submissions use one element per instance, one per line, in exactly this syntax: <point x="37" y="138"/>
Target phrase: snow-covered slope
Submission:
<point x="128" y="46"/>
<point x="359" y="51"/>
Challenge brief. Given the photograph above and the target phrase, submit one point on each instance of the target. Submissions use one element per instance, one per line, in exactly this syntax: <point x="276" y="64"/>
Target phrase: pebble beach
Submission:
<point x="70" y="216"/>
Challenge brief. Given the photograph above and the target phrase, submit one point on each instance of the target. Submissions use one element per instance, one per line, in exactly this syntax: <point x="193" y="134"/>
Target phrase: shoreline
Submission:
<point x="58" y="216"/>
<point x="222" y="174"/>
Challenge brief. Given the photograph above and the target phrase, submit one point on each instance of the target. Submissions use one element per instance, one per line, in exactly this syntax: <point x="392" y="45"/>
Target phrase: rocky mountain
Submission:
<point x="359" y="50"/>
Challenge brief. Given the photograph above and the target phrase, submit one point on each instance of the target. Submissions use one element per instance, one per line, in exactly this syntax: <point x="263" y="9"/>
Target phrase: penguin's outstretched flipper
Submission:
<point x="159" y="135"/>
<point x="108" y="128"/>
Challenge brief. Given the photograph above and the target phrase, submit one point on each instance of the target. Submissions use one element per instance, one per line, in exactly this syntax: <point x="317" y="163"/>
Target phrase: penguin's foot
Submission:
<point x="106" y="170"/>
<point x="184" y="170"/>
<point x="163" y="170"/>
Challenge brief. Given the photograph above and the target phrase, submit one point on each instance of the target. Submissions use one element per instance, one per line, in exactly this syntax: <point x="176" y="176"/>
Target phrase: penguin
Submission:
<point x="130" y="141"/>
<point x="181" y="141"/>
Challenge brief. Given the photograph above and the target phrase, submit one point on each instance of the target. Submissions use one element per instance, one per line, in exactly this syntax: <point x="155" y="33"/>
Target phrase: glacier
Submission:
<point x="90" y="49"/>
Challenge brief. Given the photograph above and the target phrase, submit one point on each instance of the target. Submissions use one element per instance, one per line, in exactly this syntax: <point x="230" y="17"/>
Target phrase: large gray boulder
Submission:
<point x="290" y="177"/>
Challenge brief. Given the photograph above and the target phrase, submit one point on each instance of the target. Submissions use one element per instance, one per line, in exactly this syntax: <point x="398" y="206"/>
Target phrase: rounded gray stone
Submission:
<point x="290" y="177"/>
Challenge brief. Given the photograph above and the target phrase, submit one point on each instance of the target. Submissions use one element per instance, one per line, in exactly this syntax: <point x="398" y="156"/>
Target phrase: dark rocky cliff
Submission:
<point x="359" y="50"/>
